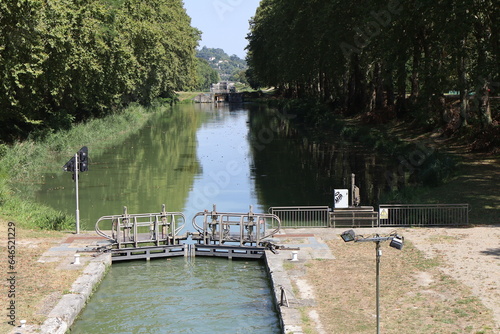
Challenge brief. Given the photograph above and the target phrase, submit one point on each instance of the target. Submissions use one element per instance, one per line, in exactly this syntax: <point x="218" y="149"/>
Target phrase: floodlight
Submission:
<point x="397" y="242"/>
<point x="348" y="236"/>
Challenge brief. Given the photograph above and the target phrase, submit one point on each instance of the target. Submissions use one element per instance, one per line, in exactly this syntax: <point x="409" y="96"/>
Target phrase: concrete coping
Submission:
<point x="69" y="307"/>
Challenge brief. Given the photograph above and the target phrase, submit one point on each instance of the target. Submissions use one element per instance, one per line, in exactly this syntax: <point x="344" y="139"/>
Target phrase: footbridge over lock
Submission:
<point x="232" y="234"/>
<point x="156" y="235"/>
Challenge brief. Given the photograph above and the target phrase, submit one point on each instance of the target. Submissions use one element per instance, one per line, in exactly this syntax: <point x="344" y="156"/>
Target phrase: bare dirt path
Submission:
<point x="470" y="255"/>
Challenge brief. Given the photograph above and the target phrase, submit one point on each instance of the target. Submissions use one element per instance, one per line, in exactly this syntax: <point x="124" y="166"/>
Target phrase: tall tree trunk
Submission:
<point x="401" y="100"/>
<point x="356" y="94"/>
<point x="482" y="98"/>
<point x="379" y="87"/>
<point x="415" y="84"/>
<point x="483" y="104"/>
<point x="372" y="90"/>
<point x="462" y="85"/>
<point x="389" y="86"/>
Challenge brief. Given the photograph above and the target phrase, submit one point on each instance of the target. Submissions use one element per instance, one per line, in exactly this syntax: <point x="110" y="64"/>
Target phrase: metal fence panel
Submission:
<point x="423" y="214"/>
<point x="354" y="218"/>
<point x="302" y="216"/>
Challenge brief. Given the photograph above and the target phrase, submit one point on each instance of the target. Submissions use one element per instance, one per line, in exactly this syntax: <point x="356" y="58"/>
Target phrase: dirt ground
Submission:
<point x="470" y="256"/>
<point x="444" y="280"/>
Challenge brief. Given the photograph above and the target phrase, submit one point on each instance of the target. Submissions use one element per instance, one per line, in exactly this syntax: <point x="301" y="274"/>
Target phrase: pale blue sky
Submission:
<point x="224" y="23"/>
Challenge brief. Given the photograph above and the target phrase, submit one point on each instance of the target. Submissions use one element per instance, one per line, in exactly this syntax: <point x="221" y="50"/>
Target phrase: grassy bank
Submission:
<point x="416" y="295"/>
<point x="39" y="285"/>
<point x="24" y="162"/>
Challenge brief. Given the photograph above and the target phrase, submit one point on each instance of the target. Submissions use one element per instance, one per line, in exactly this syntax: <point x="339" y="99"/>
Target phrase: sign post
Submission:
<point x="77" y="198"/>
<point x="79" y="163"/>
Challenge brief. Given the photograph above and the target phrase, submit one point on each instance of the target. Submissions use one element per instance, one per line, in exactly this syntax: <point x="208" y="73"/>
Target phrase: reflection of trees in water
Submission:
<point x="156" y="166"/>
<point x="290" y="169"/>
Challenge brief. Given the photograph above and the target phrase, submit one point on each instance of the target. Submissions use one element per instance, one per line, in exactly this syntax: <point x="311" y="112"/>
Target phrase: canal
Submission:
<point x="189" y="158"/>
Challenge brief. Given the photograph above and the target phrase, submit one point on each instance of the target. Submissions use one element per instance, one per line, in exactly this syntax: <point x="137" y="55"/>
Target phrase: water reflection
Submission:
<point x="224" y="154"/>
<point x="234" y="156"/>
<point x="202" y="295"/>
<point x="155" y="166"/>
<point x="291" y="170"/>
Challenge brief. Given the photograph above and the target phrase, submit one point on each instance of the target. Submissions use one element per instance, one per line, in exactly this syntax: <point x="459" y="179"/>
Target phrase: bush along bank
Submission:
<point x="24" y="162"/>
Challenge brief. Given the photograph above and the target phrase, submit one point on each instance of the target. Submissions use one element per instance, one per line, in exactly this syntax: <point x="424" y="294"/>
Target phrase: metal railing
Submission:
<point x="355" y="217"/>
<point x="423" y="214"/>
<point x="235" y="227"/>
<point x="302" y="216"/>
<point x="133" y="230"/>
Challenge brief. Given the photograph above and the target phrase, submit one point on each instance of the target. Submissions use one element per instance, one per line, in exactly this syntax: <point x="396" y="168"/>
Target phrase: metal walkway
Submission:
<point x="324" y="216"/>
<point x="403" y="215"/>
<point x="143" y="235"/>
<point x="156" y="235"/>
<point x="232" y="234"/>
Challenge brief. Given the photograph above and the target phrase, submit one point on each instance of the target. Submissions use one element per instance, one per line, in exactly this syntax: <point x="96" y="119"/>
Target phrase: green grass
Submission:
<point x="185" y="97"/>
<point x="23" y="162"/>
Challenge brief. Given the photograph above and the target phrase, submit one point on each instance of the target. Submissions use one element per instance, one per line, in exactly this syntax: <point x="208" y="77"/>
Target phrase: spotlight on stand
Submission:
<point x="397" y="242"/>
<point x="348" y="236"/>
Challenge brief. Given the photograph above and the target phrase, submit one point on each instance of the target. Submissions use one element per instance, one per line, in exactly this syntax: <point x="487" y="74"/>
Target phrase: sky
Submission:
<point x="224" y="23"/>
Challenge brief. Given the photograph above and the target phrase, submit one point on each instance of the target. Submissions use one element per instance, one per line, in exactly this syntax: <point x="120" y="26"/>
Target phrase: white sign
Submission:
<point x="341" y="198"/>
<point x="383" y="213"/>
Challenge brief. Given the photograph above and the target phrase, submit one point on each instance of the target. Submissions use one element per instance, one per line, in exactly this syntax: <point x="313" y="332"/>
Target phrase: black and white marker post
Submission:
<point x="79" y="163"/>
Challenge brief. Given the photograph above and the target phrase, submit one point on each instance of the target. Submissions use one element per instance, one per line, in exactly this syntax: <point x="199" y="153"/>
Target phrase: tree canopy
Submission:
<point x="67" y="60"/>
<point x="228" y="67"/>
<point x="364" y="56"/>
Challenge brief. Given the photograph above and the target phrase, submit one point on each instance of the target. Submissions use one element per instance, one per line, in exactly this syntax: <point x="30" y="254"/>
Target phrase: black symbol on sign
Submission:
<point x="338" y="197"/>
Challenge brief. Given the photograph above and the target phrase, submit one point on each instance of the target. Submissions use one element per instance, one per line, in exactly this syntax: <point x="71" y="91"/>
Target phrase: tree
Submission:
<point x="68" y="60"/>
<point x="206" y="75"/>
<point x="367" y="56"/>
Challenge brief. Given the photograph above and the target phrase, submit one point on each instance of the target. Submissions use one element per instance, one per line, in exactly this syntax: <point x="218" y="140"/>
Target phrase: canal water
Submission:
<point x="201" y="295"/>
<point x="189" y="158"/>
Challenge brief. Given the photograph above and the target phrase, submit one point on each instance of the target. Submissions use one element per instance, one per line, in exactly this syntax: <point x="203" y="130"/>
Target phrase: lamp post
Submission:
<point x="396" y="242"/>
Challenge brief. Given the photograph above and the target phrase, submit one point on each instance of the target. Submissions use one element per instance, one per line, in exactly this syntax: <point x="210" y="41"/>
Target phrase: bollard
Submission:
<point x="77" y="259"/>
<point x="294" y="256"/>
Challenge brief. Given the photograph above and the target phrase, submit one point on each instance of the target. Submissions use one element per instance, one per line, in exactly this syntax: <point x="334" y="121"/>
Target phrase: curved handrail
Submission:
<point x="243" y="220"/>
<point x="130" y="222"/>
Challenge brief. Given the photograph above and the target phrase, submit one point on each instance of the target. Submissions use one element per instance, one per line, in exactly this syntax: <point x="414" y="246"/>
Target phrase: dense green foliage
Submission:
<point x="22" y="164"/>
<point x="205" y="76"/>
<point x="68" y="60"/>
<point x="230" y="68"/>
<point x="377" y="57"/>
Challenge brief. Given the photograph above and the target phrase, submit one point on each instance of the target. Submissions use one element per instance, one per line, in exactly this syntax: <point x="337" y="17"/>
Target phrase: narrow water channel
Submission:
<point x="194" y="157"/>
<point x="201" y="295"/>
<point x="190" y="158"/>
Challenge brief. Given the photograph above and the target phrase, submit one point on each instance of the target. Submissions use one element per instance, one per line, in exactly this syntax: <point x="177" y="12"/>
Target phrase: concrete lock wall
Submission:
<point x="66" y="311"/>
